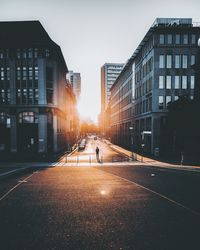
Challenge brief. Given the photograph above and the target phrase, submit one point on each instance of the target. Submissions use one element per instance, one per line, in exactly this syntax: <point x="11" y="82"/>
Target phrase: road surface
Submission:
<point x="104" y="207"/>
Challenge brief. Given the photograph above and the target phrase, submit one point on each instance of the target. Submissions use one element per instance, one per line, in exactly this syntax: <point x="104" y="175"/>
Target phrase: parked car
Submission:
<point x="82" y="145"/>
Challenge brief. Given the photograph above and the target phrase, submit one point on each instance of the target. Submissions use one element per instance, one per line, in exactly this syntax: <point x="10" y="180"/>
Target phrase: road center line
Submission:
<point x="21" y="182"/>
<point x="156" y="193"/>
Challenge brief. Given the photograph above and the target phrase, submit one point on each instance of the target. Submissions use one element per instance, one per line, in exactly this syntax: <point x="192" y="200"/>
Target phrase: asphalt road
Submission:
<point x="88" y="155"/>
<point x="100" y="208"/>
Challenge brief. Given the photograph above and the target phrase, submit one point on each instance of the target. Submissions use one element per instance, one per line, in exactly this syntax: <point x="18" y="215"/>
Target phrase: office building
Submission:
<point x="109" y="73"/>
<point x="161" y="73"/>
<point x="75" y="81"/>
<point x="34" y="96"/>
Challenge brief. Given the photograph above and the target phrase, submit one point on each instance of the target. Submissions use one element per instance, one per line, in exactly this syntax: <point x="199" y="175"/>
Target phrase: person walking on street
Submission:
<point x="97" y="151"/>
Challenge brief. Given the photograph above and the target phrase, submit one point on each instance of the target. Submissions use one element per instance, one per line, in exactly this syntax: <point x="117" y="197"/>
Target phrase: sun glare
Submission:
<point x="86" y="110"/>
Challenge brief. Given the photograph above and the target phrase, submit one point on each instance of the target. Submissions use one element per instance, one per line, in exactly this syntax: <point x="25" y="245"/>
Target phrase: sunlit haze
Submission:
<point x="92" y="32"/>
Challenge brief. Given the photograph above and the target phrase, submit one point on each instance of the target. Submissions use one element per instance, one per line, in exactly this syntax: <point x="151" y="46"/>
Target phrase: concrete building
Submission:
<point x="161" y="72"/>
<point x="34" y="95"/>
<point x="75" y="81"/>
<point x="109" y="73"/>
<point x="121" y="108"/>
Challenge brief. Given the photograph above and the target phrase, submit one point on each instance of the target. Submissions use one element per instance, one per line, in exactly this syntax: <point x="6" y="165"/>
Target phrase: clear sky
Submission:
<point x="92" y="32"/>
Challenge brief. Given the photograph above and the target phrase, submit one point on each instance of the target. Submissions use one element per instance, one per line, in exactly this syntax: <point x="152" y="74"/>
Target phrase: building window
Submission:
<point x="18" y="95"/>
<point x="192" y="59"/>
<point x="169" y="39"/>
<point x="2" y="96"/>
<point x="176" y="98"/>
<point x="36" y="73"/>
<point x="161" y="61"/>
<point x="30" y="53"/>
<point x="50" y="96"/>
<point x="30" y="73"/>
<point x="168" y="100"/>
<point x="161" y="102"/>
<point x="185" y="39"/>
<point x="193" y="39"/>
<point x="24" y="54"/>
<point x="177" y="39"/>
<point x="36" y="96"/>
<point x="27" y="117"/>
<point x="2" y="74"/>
<point x="177" y="82"/>
<point x="24" y="95"/>
<point x="169" y="61"/>
<point x="161" y="82"/>
<point x="8" y="73"/>
<point x="162" y="39"/>
<point x="18" y="73"/>
<point x="168" y="82"/>
<point x="184" y="61"/>
<point x="2" y="118"/>
<point x="24" y="74"/>
<point x="5" y="119"/>
<point x="8" y="95"/>
<point x="35" y="53"/>
<point x="184" y="82"/>
<point x="47" y="54"/>
<point x="177" y="61"/>
<point x="192" y="82"/>
<point x="18" y="54"/>
<point x="1" y="54"/>
<point x="30" y="95"/>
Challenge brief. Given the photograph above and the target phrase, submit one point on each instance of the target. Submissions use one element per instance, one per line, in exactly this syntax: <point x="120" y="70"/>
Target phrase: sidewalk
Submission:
<point x="149" y="161"/>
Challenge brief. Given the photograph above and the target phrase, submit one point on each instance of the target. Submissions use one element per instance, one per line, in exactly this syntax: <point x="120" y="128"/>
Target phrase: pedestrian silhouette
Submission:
<point x="97" y="153"/>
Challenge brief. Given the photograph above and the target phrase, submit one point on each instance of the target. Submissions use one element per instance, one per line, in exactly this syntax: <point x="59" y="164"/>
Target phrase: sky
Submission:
<point x="93" y="32"/>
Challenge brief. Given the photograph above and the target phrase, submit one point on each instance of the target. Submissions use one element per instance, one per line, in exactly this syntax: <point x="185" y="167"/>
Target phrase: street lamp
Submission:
<point x="131" y="132"/>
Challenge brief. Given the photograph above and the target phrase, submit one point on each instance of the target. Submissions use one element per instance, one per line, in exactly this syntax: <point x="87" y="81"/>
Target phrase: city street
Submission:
<point x="100" y="207"/>
<point x="88" y="155"/>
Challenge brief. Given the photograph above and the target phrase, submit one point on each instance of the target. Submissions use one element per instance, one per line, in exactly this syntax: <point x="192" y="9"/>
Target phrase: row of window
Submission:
<point x="126" y="114"/>
<point x="144" y="88"/>
<point x="144" y="106"/>
<point x="144" y="70"/>
<point x="176" y="61"/>
<point x="163" y="101"/>
<point x="180" y="82"/>
<point x="4" y="96"/>
<point x="23" y="117"/>
<point x="5" y="119"/>
<point x="177" y="39"/>
<point x="23" y="73"/>
<point x="24" y="53"/>
<point x="5" y="73"/>
<point x="27" y="96"/>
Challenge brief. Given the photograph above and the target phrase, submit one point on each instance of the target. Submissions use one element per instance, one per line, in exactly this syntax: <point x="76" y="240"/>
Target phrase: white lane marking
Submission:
<point x="156" y="193"/>
<point x="7" y="193"/>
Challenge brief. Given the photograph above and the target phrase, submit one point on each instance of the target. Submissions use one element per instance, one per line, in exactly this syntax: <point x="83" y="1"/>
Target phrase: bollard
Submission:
<point x="102" y="159"/>
<point x="66" y="159"/>
<point x="77" y="160"/>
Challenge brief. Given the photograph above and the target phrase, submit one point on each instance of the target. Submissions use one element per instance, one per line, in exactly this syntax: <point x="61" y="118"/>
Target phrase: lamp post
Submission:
<point x="131" y="132"/>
